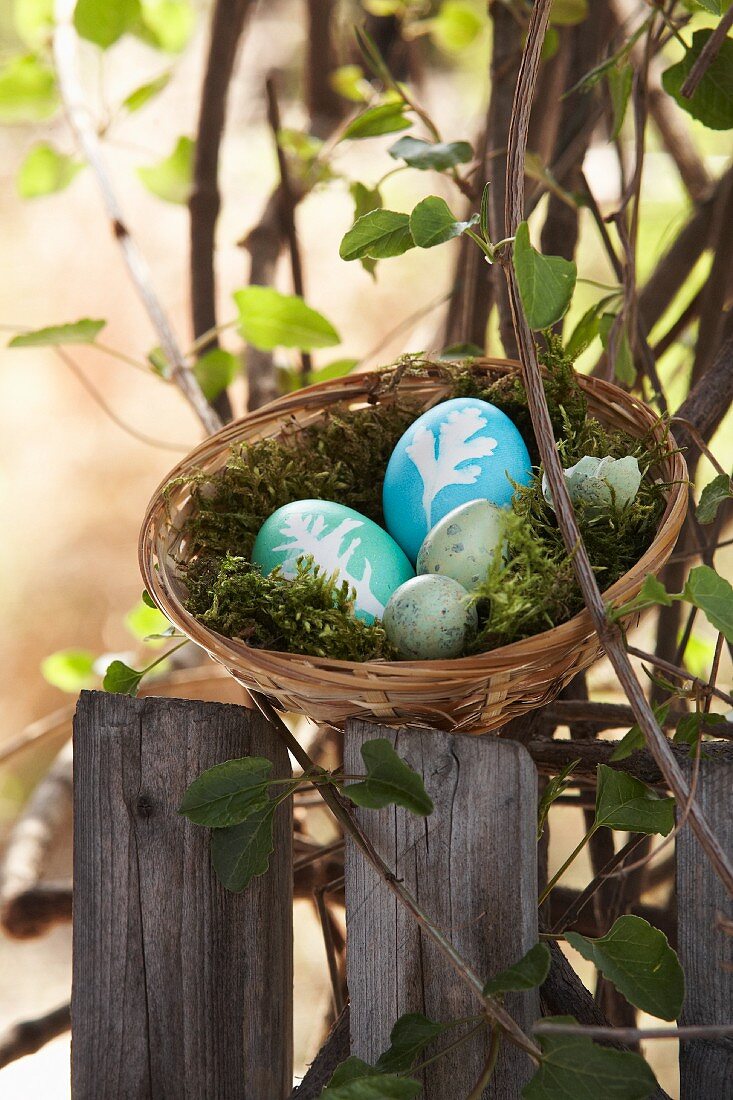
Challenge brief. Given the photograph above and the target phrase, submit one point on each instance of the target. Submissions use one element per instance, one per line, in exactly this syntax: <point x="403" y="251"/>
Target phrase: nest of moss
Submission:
<point x="343" y="459"/>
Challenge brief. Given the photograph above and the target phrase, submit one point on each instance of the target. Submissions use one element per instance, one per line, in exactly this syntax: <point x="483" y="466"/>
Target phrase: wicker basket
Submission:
<point x="473" y="694"/>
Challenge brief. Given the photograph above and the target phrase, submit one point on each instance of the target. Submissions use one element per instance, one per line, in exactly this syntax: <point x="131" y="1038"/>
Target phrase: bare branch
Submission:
<point x="336" y="1049"/>
<point x="708" y="53"/>
<point x="30" y="1035"/>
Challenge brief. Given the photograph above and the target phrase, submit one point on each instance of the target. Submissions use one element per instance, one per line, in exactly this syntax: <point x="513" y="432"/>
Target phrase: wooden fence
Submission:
<point x="183" y="990"/>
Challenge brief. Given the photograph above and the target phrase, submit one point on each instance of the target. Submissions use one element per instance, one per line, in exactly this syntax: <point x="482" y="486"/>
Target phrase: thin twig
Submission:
<point x="570" y="916"/>
<point x="635" y="1034"/>
<point x="707" y="55"/>
<point x="681" y="673"/>
<point x="64" y="47"/>
<point x="608" y="634"/>
<point x="28" y="1036"/>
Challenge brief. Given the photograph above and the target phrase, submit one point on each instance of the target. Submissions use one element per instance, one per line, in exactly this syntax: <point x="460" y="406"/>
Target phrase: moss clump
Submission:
<point x="310" y="614"/>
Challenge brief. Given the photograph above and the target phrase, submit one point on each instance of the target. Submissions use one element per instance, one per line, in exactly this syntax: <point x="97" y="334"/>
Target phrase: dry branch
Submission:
<point x="334" y="1050"/>
<point x="30" y="1035"/>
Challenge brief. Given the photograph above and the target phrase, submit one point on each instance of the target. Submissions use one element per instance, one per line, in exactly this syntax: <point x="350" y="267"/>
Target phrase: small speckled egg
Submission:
<point x="429" y="618"/>
<point x="464" y="543"/>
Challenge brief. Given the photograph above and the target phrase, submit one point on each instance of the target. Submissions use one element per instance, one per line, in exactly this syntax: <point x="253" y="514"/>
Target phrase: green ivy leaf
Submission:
<point x="45" y="171"/>
<point x="713" y="495"/>
<point x="546" y="283"/>
<point x="171" y="178"/>
<point x="377" y="235"/>
<point x="120" y="679"/>
<point x="167" y="24"/>
<point x="381" y="1086"/>
<point x="529" y="972"/>
<point x="456" y="26"/>
<point x="389" y="781"/>
<point x="439" y="155"/>
<point x="408" y="1038"/>
<point x="27" y="90"/>
<point x="566" y="13"/>
<point x="33" y="20"/>
<point x="553" y="789"/>
<point x="84" y="331"/>
<point x="623" y="802"/>
<point x="713" y="595"/>
<point x="639" y="961"/>
<point x="634" y="739"/>
<point x="353" y="1069"/>
<point x="432" y="222"/>
<point x="214" y="371"/>
<point x="385" y="118"/>
<point x="573" y="1066"/>
<point x="102" y="22"/>
<point x="651" y="593"/>
<point x="712" y="102"/>
<point x="145" y="92"/>
<point x="619" y="86"/>
<point x="241" y="852"/>
<point x="268" y="319"/>
<point x="228" y="793"/>
<point x="69" y="670"/>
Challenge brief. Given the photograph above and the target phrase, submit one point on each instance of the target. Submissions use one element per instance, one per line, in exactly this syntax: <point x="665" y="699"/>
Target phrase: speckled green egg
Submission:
<point x="464" y="543"/>
<point x="429" y="618"/>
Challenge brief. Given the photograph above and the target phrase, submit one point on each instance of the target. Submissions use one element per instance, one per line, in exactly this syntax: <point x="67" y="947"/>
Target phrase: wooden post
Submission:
<point x="473" y="868"/>
<point x="180" y="989"/>
<point x="703" y="944"/>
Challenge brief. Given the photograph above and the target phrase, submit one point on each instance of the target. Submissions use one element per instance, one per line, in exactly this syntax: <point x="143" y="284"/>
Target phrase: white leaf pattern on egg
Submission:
<point x="455" y="446"/>
<point x="306" y="532"/>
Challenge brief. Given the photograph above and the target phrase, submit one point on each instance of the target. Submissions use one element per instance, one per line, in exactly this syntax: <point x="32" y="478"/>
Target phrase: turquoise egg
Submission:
<point x="461" y="450"/>
<point x="430" y="618"/>
<point x="464" y="543"/>
<point x="339" y="540"/>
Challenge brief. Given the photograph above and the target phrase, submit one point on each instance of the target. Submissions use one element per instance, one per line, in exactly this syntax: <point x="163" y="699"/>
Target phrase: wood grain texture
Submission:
<point x="180" y="989"/>
<point x="472" y="866"/>
<point x="706" y="952"/>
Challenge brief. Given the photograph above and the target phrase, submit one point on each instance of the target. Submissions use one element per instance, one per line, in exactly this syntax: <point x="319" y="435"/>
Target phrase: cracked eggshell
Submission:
<point x="600" y="483"/>
<point x="430" y="618"/>
<point x="339" y="539"/>
<point x="460" y="450"/>
<point x="464" y="543"/>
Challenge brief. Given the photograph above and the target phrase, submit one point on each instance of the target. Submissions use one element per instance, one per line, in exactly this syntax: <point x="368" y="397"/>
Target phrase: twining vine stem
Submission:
<point x="64" y="48"/>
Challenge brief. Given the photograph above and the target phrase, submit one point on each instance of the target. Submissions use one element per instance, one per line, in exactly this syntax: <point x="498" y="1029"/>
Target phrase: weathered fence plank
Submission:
<point x="473" y="867"/>
<point x="704" y="946"/>
<point x="180" y="990"/>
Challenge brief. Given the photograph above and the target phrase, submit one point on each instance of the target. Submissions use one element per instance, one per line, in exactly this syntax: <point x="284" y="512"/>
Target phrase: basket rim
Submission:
<point x="361" y="385"/>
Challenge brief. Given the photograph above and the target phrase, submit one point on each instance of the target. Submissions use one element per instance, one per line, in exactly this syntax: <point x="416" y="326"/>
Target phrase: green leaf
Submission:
<point x="228" y="793"/>
<point x="584" y="332"/>
<point x="349" y="81"/>
<point x="623" y="364"/>
<point x="691" y="726"/>
<point x="530" y="971"/>
<point x="575" y="1068"/>
<point x="84" y="331"/>
<point x="69" y="669"/>
<point x="713" y="595"/>
<point x="713" y="495"/>
<point x="712" y="102"/>
<point x="566" y="13"/>
<point x="216" y="370"/>
<point x="439" y="155"/>
<point x="546" y="283"/>
<point x="241" y="852"/>
<point x="120" y="679"/>
<point x="485" y="213"/>
<point x="338" y="369"/>
<point x="456" y="352"/>
<point x="171" y="178"/>
<point x="353" y="1069"/>
<point x="389" y="781"/>
<point x="365" y="200"/>
<point x="374" y="1087"/>
<point x="619" y="86"/>
<point x="623" y="802"/>
<point x="45" y="171"/>
<point x="553" y="789"/>
<point x="147" y="599"/>
<point x="378" y="235"/>
<point x="550" y="45"/>
<point x="33" y="21"/>
<point x="27" y="90"/>
<point x="432" y="222"/>
<point x="715" y="7"/>
<point x="144" y="620"/>
<point x="456" y="26"/>
<point x="385" y="118"/>
<point x="145" y="92"/>
<point x="167" y="24"/>
<point x="639" y="961"/>
<point x="102" y="22"/>
<point x="634" y="739"/>
<point x="651" y="593"/>
<point x="409" y="1037"/>
<point x="268" y="319"/>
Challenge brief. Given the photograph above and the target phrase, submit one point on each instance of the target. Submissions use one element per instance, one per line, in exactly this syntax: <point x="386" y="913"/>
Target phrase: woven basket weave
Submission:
<point x="473" y="694"/>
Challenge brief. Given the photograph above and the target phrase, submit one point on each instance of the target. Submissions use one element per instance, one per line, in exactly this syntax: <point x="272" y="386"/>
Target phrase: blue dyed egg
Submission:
<point x="338" y="539"/>
<point x="461" y="450"/>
